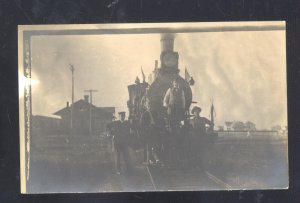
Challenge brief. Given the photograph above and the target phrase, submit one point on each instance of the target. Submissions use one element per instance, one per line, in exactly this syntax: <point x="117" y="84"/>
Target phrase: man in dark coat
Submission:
<point x="200" y="142"/>
<point x="199" y="123"/>
<point x="121" y="131"/>
<point x="149" y="135"/>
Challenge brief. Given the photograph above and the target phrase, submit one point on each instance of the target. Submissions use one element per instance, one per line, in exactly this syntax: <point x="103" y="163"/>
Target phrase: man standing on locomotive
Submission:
<point x="121" y="131"/>
<point x="174" y="101"/>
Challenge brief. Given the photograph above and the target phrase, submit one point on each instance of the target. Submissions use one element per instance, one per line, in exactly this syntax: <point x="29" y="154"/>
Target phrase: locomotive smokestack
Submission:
<point x="167" y="42"/>
<point x="168" y="58"/>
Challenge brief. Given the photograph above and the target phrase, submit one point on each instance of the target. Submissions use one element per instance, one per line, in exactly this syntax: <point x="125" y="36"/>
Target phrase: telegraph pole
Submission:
<point x="212" y="114"/>
<point x="91" y="103"/>
<point x="71" y="117"/>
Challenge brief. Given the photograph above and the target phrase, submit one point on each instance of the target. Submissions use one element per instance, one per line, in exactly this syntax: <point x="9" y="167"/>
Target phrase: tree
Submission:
<point x="238" y="126"/>
<point x="221" y="128"/>
<point x="276" y="128"/>
<point x="249" y="126"/>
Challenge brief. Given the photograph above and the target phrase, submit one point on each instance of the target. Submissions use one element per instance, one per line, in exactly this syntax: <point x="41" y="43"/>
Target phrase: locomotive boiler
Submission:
<point x="177" y="142"/>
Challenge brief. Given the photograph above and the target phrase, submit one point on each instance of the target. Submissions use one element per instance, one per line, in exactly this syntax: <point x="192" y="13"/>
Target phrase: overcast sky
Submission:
<point x="245" y="72"/>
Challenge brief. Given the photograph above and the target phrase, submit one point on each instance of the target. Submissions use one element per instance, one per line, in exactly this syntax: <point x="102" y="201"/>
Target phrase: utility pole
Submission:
<point x="71" y="116"/>
<point x="212" y="114"/>
<point x="91" y="103"/>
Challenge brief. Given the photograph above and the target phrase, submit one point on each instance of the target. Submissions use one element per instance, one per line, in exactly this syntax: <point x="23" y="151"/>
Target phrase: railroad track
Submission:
<point x="218" y="181"/>
<point x="164" y="179"/>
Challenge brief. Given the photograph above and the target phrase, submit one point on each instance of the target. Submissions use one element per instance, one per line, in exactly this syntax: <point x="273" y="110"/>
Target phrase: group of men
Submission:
<point x="174" y="101"/>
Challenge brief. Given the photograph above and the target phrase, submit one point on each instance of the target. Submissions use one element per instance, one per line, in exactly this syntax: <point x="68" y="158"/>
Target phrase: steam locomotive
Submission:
<point x="180" y="144"/>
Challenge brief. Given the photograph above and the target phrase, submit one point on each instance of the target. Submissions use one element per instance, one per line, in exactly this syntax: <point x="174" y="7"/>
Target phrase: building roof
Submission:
<point x="85" y="104"/>
<point x="47" y="116"/>
<point x="108" y="109"/>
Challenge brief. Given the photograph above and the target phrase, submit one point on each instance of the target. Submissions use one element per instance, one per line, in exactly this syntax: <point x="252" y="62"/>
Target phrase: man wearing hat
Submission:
<point x="199" y="123"/>
<point x="174" y="101"/>
<point x="121" y="137"/>
<point x="149" y="134"/>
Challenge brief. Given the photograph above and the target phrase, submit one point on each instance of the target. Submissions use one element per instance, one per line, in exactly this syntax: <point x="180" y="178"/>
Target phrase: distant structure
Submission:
<point x="240" y="126"/>
<point x="45" y="125"/>
<point x="229" y="125"/>
<point x="83" y="122"/>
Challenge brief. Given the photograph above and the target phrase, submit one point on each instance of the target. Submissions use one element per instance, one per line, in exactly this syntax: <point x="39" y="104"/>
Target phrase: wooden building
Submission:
<point x="86" y="117"/>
